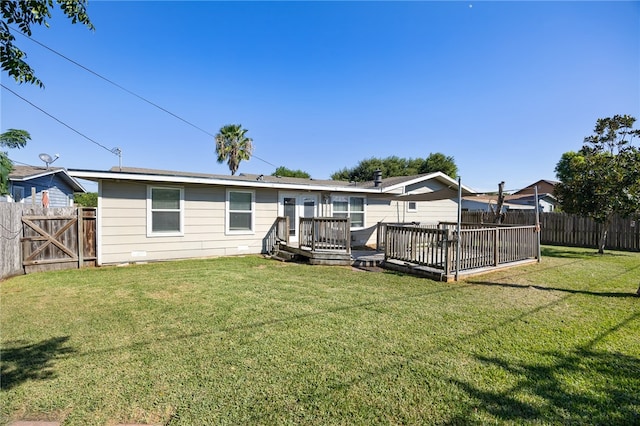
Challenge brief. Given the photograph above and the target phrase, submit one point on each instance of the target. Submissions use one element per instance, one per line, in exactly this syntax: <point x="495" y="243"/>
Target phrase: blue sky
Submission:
<point x="503" y="87"/>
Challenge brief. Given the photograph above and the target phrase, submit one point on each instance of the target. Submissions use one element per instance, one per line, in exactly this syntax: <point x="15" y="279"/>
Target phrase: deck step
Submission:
<point x="367" y="263"/>
<point x="284" y="256"/>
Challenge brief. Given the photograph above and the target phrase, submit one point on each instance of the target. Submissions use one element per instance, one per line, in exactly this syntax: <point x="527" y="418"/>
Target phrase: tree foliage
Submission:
<point x="24" y="14"/>
<point x="285" y="172"/>
<point x="12" y="139"/>
<point x="86" y="199"/>
<point x="602" y="178"/>
<point x="233" y="146"/>
<point x="396" y="166"/>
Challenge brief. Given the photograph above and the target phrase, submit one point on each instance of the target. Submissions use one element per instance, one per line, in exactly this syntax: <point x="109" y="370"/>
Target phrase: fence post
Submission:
<point x="448" y="253"/>
<point x="80" y="213"/>
<point x="496" y="240"/>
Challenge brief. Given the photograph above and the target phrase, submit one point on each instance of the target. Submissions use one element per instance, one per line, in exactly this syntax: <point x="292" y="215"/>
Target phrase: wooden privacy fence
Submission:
<point x="571" y="230"/>
<point x="480" y="247"/>
<point x="44" y="239"/>
<point x="325" y="233"/>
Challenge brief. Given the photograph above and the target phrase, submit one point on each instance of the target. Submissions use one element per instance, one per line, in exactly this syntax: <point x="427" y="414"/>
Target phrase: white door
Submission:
<point x="294" y="206"/>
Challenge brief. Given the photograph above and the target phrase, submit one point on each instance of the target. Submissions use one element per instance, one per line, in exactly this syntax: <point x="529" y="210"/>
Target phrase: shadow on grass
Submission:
<point x="583" y="386"/>
<point x="565" y="290"/>
<point x="568" y="253"/>
<point x="21" y="362"/>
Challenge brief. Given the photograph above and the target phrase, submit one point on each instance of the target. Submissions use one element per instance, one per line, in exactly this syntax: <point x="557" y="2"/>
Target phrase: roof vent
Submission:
<point x="377" y="178"/>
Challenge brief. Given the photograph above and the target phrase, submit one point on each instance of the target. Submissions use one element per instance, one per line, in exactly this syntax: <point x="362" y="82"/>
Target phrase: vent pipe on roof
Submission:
<point x="377" y="178"/>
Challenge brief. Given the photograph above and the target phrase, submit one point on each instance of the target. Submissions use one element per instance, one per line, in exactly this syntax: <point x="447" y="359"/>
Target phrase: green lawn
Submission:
<point x="246" y="340"/>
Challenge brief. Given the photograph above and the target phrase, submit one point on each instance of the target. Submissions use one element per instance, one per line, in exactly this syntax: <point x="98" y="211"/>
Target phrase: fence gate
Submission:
<point x="59" y="239"/>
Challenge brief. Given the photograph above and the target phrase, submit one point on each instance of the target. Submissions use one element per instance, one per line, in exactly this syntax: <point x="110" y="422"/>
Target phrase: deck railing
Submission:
<point x="418" y="245"/>
<point x="325" y="233"/>
<point x="279" y="232"/>
<point x="485" y="247"/>
<point x="480" y="247"/>
<point x="381" y="231"/>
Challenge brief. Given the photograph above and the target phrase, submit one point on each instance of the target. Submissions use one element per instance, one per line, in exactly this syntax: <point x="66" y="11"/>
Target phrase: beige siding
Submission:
<point x="383" y="210"/>
<point x="123" y="223"/>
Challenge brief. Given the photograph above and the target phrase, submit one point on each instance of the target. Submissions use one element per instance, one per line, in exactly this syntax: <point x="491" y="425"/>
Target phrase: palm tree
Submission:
<point x="232" y="145"/>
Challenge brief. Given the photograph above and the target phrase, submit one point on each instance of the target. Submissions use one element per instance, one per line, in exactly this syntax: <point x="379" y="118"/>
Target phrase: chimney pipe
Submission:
<point x="377" y="178"/>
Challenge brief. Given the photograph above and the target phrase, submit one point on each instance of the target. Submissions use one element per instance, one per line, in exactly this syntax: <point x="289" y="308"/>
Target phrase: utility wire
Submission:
<point x="127" y="90"/>
<point x="56" y="119"/>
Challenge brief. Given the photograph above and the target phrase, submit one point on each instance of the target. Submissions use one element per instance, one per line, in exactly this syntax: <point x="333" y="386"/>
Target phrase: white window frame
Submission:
<point x="150" y="211"/>
<point x="349" y="211"/>
<point x="228" y="211"/>
<point x="410" y="209"/>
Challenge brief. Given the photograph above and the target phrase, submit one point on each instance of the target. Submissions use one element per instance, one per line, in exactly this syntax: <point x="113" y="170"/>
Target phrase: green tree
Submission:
<point x="284" y="172"/>
<point x="86" y="199"/>
<point x="12" y="139"/>
<point x="603" y="178"/>
<point x="438" y="162"/>
<point x="24" y="14"/>
<point x="233" y="146"/>
<point x="396" y="166"/>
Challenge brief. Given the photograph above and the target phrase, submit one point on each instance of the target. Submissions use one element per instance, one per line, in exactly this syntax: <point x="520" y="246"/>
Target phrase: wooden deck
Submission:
<point x="430" y="251"/>
<point x="322" y="241"/>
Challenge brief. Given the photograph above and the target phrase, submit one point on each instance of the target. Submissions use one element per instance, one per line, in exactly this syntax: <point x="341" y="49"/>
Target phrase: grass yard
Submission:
<point x="246" y="340"/>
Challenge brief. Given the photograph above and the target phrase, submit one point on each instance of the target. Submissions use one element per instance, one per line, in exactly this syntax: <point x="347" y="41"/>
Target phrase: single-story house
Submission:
<point x="149" y="215"/>
<point x="30" y="184"/>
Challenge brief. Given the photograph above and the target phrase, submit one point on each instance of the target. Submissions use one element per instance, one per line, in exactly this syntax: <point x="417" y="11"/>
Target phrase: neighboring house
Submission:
<point x="546" y="199"/>
<point x="489" y="203"/>
<point x="544" y="187"/>
<point x="28" y="183"/>
<point x="523" y="199"/>
<point x="155" y="215"/>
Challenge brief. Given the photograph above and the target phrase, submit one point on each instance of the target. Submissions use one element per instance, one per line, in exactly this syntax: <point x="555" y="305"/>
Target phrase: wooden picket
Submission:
<point x="571" y="230"/>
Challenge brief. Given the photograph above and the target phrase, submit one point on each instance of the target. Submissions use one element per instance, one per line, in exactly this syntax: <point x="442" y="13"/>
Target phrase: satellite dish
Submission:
<point x="47" y="158"/>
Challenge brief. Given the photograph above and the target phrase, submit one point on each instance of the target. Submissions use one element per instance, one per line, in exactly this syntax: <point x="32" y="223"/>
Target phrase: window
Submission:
<point x="18" y="194"/>
<point x="164" y="211"/>
<point x="240" y="212"/>
<point x="412" y="206"/>
<point x="352" y="207"/>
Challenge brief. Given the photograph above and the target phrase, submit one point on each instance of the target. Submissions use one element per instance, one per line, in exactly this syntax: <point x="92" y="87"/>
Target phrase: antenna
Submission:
<point x="117" y="151"/>
<point x="47" y="158"/>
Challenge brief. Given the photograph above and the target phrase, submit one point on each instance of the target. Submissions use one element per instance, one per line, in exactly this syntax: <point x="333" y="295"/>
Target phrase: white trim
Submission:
<point x="214" y="180"/>
<point x="415" y="206"/>
<point x="99" y="226"/>
<point x="437" y="175"/>
<point x="217" y="181"/>
<point x="227" y="212"/>
<point x="72" y="180"/>
<point x="150" y="232"/>
<point x="299" y="198"/>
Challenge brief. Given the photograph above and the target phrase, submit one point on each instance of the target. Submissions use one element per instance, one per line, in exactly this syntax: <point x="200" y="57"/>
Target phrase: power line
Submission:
<point x="57" y="119"/>
<point x="127" y="90"/>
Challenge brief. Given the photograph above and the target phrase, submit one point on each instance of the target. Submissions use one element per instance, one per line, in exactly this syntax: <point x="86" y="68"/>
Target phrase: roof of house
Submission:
<point x="492" y="200"/>
<point x="26" y="173"/>
<point x="515" y="199"/>
<point x="544" y="184"/>
<point x="388" y="185"/>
